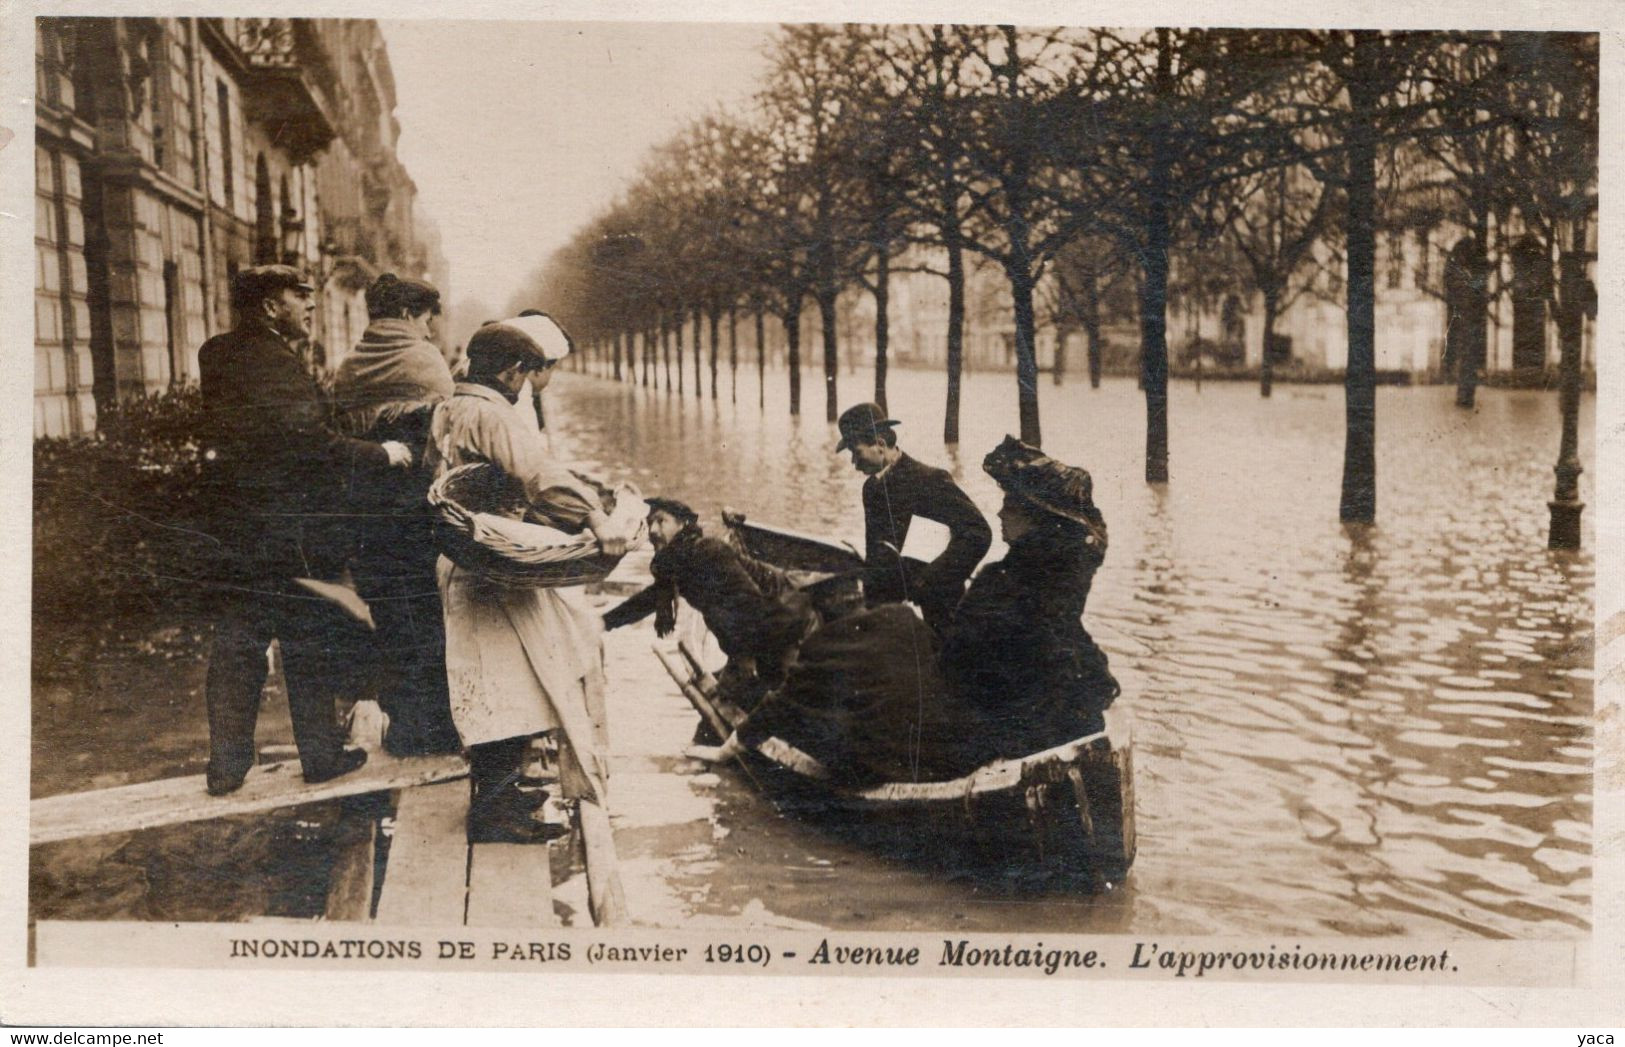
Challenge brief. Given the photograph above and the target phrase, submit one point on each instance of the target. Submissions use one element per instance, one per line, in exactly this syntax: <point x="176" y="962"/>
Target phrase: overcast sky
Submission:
<point x="518" y="132"/>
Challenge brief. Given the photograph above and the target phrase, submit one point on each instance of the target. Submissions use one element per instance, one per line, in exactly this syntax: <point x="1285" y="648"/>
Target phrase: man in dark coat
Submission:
<point x="755" y="630"/>
<point x="897" y="490"/>
<point x="278" y="472"/>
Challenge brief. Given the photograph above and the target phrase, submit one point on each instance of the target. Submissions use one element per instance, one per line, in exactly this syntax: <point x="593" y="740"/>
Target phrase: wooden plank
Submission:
<point x="426" y="877"/>
<point x="170" y="801"/>
<point x="349" y="890"/>
<point x="510" y="885"/>
<point x="604" y="893"/>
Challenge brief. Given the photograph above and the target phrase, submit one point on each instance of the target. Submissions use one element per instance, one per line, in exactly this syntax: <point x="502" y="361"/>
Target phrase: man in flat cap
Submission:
<point x="898" y="490"/>
<point x="280" y="470"/>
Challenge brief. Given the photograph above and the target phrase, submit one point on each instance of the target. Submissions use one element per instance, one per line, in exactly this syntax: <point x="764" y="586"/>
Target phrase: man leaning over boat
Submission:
<point x="874" y="698"/>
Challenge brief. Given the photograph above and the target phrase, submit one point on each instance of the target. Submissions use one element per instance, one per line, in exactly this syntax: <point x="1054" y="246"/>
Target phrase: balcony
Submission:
<point x="284" y="79"/>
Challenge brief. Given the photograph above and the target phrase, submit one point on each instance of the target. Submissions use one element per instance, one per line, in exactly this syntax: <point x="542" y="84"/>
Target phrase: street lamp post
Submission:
<point x="1577" y="296"/>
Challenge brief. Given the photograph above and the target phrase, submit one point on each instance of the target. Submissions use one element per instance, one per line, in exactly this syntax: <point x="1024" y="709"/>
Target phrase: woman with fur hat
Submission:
<point x="1017" y="651"/>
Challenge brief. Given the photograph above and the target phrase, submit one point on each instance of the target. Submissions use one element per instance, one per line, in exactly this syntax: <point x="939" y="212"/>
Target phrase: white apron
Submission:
<point x="519" y="661"/>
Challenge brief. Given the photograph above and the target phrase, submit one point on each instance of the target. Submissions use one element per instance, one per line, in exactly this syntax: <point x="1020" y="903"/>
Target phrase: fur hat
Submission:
<point x="1027" y="472"/>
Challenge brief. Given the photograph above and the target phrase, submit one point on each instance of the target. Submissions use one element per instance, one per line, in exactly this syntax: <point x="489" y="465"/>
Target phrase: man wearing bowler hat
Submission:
<point x="898" y="490"/>
<point x="278" y="469"/>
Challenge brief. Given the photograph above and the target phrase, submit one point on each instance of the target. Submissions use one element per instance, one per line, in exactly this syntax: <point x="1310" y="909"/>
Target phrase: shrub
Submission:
<point x="120" y="518"/>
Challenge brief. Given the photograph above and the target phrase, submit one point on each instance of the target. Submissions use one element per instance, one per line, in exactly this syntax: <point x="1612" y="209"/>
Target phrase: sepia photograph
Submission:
<point x="1039" y="496"/>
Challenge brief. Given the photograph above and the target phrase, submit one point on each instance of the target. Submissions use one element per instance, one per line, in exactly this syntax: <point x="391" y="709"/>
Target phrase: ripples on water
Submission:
<point x="1340" y="730"/>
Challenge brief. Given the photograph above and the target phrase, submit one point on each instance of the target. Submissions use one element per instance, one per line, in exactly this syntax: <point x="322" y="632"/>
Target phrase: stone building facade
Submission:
<point x="171" y="152"/>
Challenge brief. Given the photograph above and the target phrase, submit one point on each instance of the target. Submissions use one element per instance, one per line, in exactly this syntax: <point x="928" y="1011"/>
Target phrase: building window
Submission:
<point x="227" y="170"/>
<point x="264" y="214"/>
<point x="1396" y="260"/>
<point x="1424" y="259"/>
<point x="173" y="335"/>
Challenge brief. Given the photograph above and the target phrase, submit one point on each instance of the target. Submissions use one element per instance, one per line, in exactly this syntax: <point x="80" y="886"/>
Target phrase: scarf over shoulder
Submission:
<point x="392" y="371"/>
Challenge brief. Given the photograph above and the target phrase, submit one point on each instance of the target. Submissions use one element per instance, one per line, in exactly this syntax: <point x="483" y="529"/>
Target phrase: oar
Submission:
<point x="696" y="698"/>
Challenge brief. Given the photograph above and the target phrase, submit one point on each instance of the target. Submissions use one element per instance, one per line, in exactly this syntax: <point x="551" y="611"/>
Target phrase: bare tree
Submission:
<point x="1554" y="107"/>
<point x="1283" y="213"/>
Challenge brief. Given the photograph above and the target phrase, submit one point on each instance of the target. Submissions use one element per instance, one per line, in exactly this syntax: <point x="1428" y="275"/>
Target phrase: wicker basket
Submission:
<point x="476" y="534"/>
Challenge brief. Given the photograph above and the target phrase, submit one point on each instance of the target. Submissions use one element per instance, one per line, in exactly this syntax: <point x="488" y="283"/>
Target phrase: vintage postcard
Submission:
<point x="607" y="499"/>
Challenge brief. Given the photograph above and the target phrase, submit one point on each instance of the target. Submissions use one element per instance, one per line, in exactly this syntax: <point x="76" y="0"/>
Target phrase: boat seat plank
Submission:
<point x="510" y="885"/>
<point x="171" y="801"/>
<point x="426" y="877"/>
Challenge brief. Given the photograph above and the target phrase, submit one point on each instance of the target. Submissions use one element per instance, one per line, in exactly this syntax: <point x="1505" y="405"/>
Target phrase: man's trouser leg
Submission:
<point x="408" y="649"/>
<point x="316" y="641"/>
<point x="236" y="678"/>
<point x="415" y="692"/>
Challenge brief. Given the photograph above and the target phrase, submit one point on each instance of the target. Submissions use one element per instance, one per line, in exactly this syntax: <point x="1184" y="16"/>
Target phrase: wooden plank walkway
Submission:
<point x="434" y="876"/>
<point x="510" y="885"/>
<point x="171" y="801"/>
<point x="426" y="878"/>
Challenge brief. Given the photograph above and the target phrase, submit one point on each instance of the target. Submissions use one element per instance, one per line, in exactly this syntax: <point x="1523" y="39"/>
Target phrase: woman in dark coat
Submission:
<point x="387" y="388"/>
<point x="1017" y="652"/>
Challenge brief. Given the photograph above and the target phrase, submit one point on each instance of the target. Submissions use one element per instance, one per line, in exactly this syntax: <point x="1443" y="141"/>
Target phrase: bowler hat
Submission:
<point x="1059" y="489"/>
<point x="862" y="423"/>
<point x="258" y="282"/>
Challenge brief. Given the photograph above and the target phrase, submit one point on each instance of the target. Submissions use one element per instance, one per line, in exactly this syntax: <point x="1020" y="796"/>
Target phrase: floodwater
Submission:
<point x="1381" y="730"/>
<point x="1384" y="730"/>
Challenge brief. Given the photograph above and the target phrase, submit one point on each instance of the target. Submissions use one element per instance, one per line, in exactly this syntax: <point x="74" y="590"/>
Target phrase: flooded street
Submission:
<point x="1367" y="731"/>
<point x="1379" y="731"/>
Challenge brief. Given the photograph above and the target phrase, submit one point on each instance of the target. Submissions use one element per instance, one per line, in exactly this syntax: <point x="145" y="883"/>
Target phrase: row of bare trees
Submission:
<point x="1088" y="154"/>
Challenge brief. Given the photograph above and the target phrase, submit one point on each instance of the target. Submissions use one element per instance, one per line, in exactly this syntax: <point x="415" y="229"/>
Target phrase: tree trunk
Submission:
<point x="716" y="316"/>
<point x="956" y="335"/>
<point x="1154" y="362"/>
<point x="882" y="322"/>
<point x="1058" y="371"/>
<point x="1266" y="365"/>
<point x="761" y="360"/>
<point x="1472" y="349"/>
<point x="615" y="348"/>
<point x="826" y="319"/>
<point x="1359" y="497"/>
<point x="733" y="355"/>
<point x="648" y="354"/>
<point x="792" y="348"/>
<point x="665" y="350"/>
<point x="1021" y="292"/>
<point x="1091" y="327"/>
<point x="699" y="386"/>
<point x="1154" y="293"/>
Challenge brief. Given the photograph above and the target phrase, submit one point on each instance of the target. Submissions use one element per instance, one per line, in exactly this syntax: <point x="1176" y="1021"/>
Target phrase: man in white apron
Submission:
<point x="520" y="661"/>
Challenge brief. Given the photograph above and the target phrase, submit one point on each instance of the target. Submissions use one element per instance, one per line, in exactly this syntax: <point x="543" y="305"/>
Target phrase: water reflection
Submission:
<point x="1374" y="730"/>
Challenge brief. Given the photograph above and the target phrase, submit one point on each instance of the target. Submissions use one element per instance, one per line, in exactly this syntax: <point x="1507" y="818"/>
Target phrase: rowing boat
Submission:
<point x="1066" y="812"/>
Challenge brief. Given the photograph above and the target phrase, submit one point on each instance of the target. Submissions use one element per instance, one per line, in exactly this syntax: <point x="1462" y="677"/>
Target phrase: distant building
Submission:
<point x="170" y="153"/>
